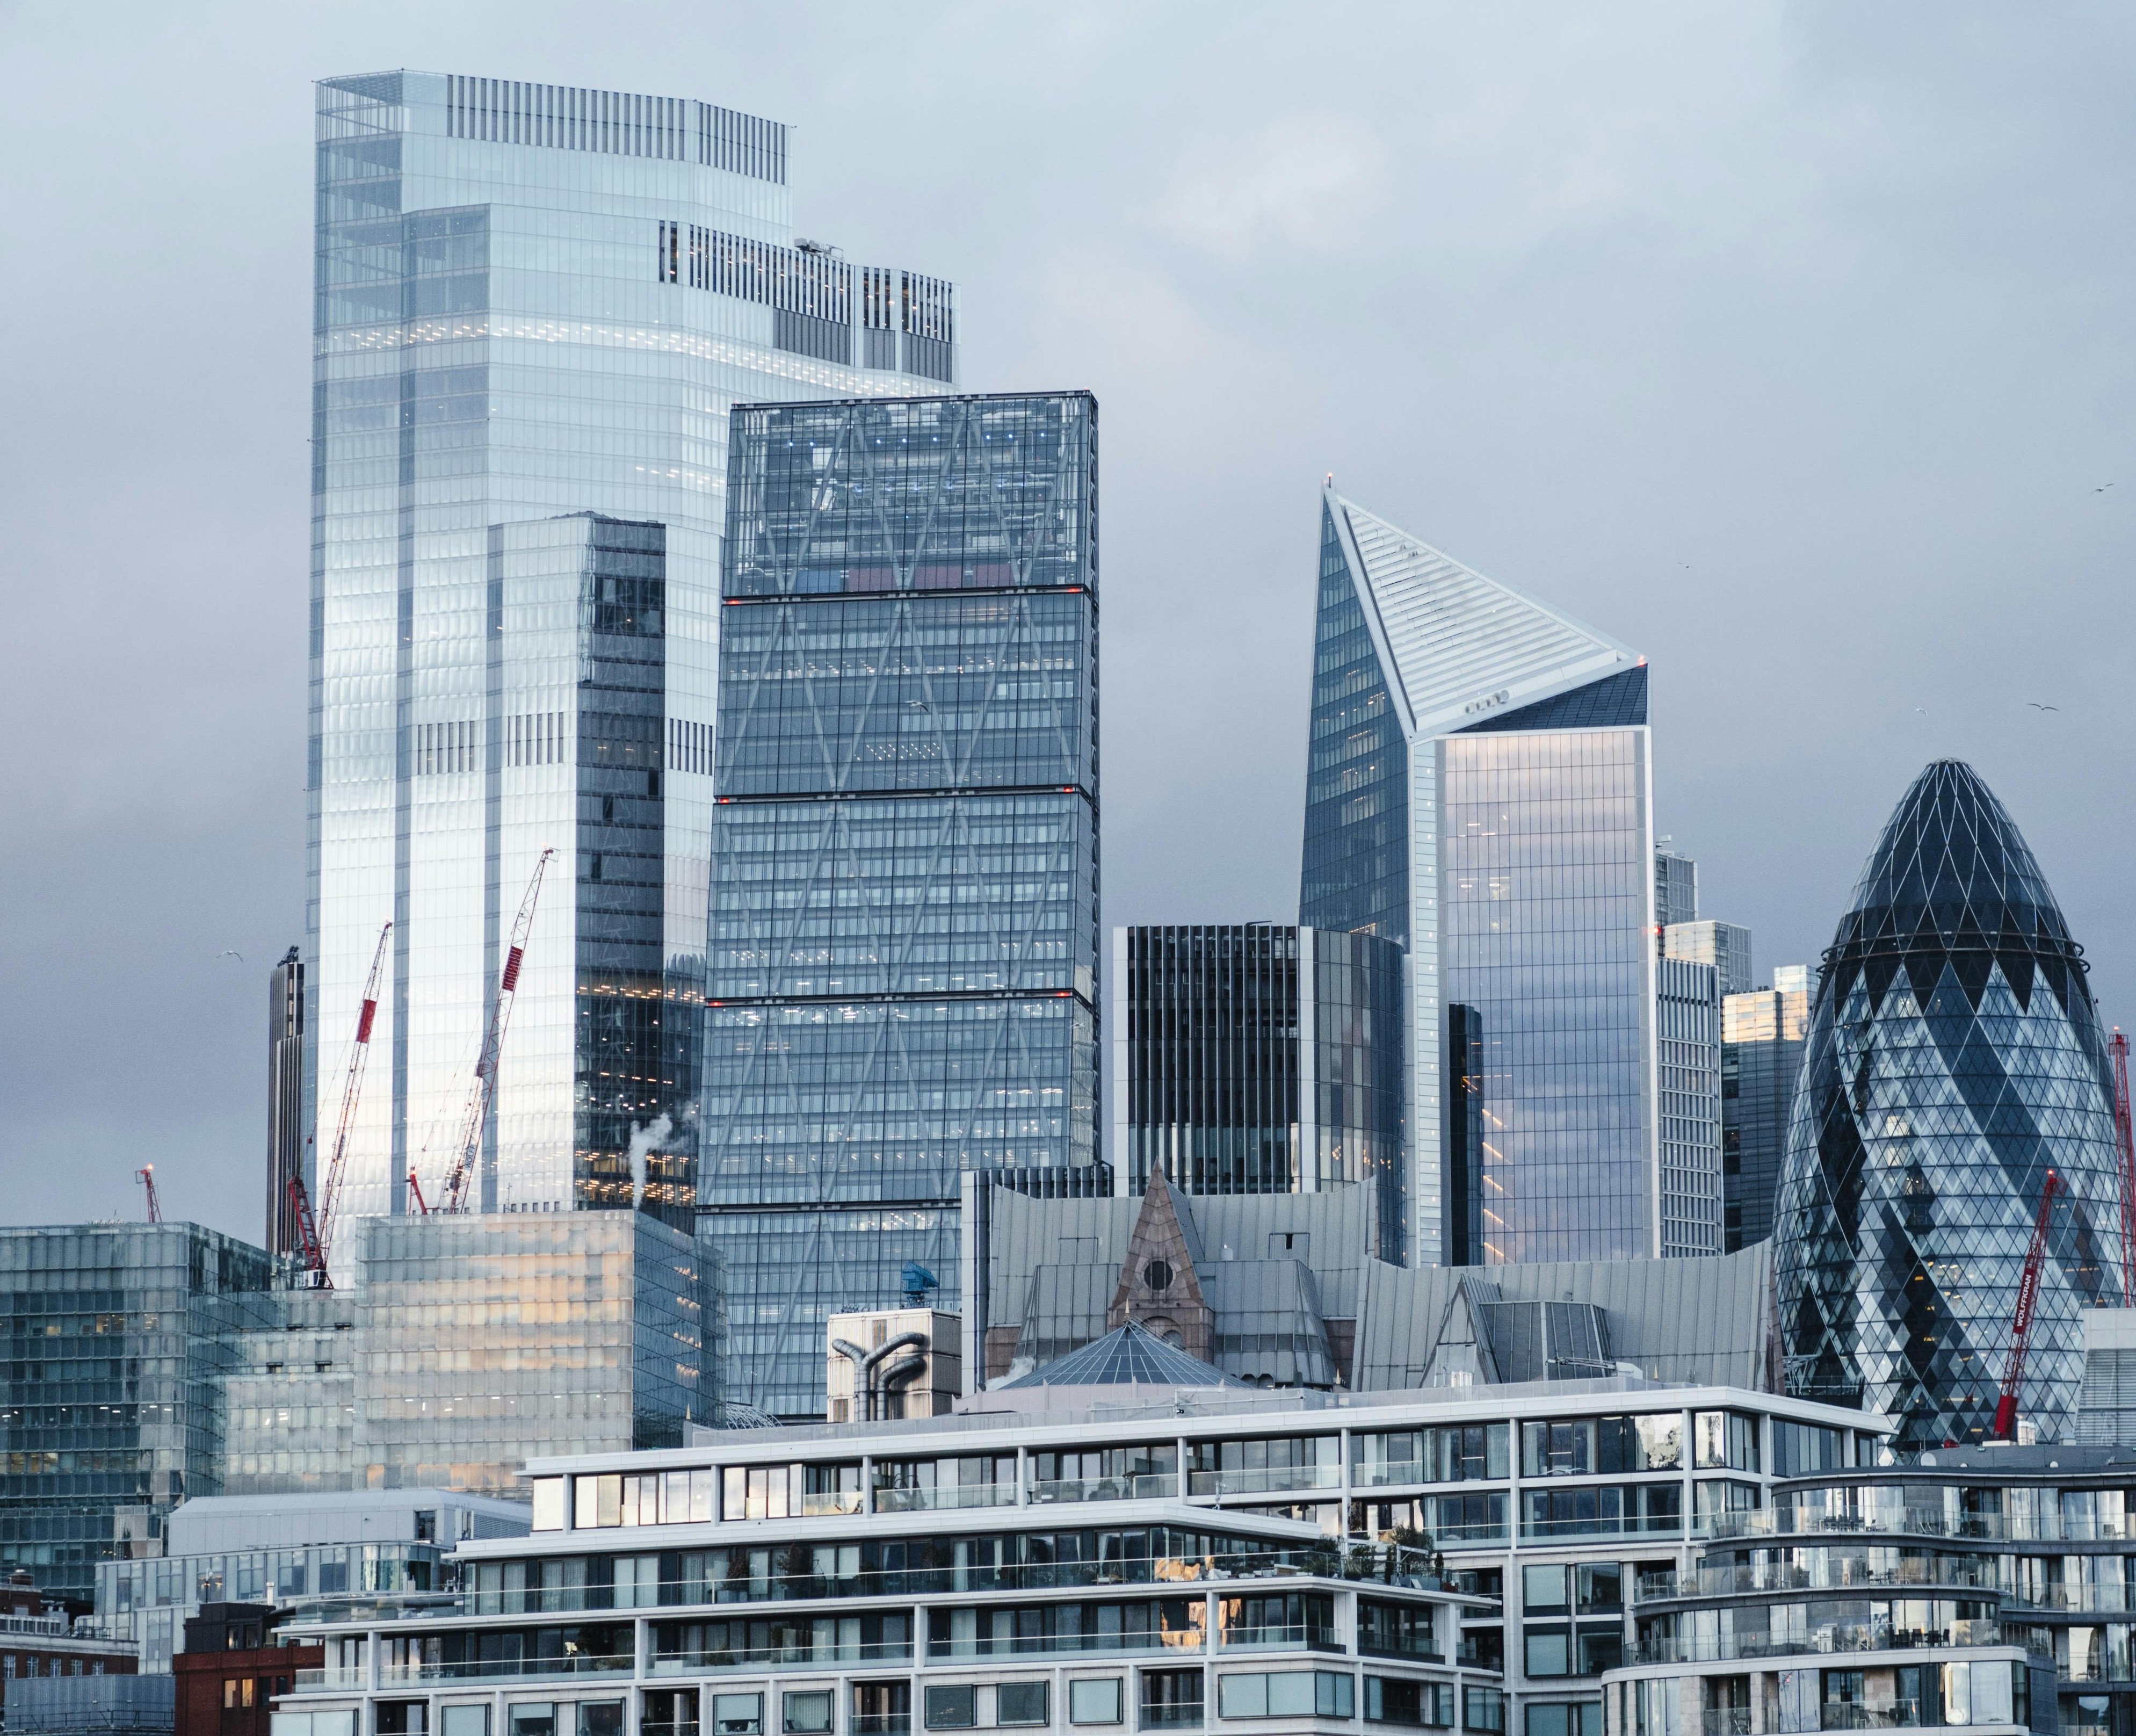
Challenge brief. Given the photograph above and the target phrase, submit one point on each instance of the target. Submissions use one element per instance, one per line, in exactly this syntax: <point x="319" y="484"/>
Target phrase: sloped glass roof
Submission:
<point x="1130" y="1355"/>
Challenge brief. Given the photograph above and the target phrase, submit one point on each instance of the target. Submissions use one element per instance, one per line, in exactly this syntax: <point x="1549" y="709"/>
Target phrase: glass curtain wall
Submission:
<point x="535" y="305"/>
<point x="901" y="984"/>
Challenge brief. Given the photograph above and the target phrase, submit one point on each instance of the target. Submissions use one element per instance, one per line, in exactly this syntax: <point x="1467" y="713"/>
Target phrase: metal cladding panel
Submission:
<point x="1462" y="645"/>
<point x="1700" y="1319"/>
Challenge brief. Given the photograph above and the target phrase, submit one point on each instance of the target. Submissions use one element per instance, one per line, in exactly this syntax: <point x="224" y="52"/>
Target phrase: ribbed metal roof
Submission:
<point x="1130" y="1356"/>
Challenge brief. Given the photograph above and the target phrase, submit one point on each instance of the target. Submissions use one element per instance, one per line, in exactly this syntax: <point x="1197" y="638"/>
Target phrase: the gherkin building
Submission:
<point x="1954" y="1057"/>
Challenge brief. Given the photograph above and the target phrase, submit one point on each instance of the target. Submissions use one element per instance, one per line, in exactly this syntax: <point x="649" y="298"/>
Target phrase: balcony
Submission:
<point x="881" y="1724"/>
<point x="1269" y="1479"/>
<point x="1689" y="1649"/>
<point x="1188" y="1639"/>
<point x="1970" y="1528"/>
<point x="1143" y="1486"/>
<point x="1904" y="1714"/>
<point x="1171" y="1717"/>
<point x="831" y="1504"/>
<point x="956" y="1495"/>
<point x="1732" y="1579"/>
<point x="1280" y="1636"/>
<point x="1725" y="1721"/>
<point x="574" y="1664"/>
<point x="795" y="1657"/>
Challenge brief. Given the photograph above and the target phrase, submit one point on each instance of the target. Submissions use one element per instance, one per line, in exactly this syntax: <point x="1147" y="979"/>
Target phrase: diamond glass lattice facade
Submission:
<point x="1953" y="1058"/>
<point x="535" y="305"/>
<point x="902" y="969"/>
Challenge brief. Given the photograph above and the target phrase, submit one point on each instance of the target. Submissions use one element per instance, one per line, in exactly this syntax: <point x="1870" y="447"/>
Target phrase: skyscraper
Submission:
<point x="288" y="1129"/>
<point x="1687" y="1032"/>
<point x="535" y="304"/>
<point x="903" y="940"/>
<point x="1255" y="1059"/>
<point x="1761" y="1050"/>
<point x="1676" y="886"/>
<point x="1479" y="790"/>
<point x="1724" y="945"/>
<point x="1954" y="1057"/>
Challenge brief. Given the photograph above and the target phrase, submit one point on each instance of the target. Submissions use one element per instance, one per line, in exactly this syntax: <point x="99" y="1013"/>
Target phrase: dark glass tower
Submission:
<point x="1258" y="1059"/>
<point x="287" y="1146"/>
<point x="903" y="963"/>
<point x="1954" y="1057"/>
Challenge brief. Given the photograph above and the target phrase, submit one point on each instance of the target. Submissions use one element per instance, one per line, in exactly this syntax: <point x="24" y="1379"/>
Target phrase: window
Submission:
<point x="668" y="1712"/>
<point x="1546" y="1650"/>
<point x="1147" y="1623"/>
<point x="1021" y="1702"/>
<point x="463" y="1720"/>
<point x="1280" y="1619"/>
<point x="1655" y="1708"/>
<point x="737" y="1715"/>
<point x="1286" y="1694"/>
<point x="1546" y="1591"/>
<point x="1482" y="1708"/>
<point x="1170" y="1699"/>
<point x="600" y="1717"/>
<point x="1391" y="1699"/>
<point x="333" y="1579"/>
<point x="1801" y="1448"/>
<point x="1396" y="1630"/>
<point x="1580" y="1717"/>
<point x="807" y="1713"/>
<point x="952" y="1707"/>
<point x="1607" y="1445"/>
<point x="1251" y="1466"/>
<point x="1727" y="1440"/>
<point x="548" y="1503"/>
<point x="533" y="1721"/>
<point x="1095" y="1700"/>
<point x="400" y="1717"/>
<point x="1456" y="1453"/>
<point x="882" y="1709"/>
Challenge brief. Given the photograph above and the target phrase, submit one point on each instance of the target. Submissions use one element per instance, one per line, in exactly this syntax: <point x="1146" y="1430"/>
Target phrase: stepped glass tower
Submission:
<point x="536" y="305"/>
<point x="1952" y="1058"/>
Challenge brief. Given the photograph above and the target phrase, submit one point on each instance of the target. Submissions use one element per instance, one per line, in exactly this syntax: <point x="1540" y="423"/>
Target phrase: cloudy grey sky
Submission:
<point x="1790" y="343"/>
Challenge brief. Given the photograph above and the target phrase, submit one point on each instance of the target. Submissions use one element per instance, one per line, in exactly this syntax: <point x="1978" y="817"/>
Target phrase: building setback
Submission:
<point x="1479" y="791"/>
<point x="901" y="983"/>
<point x="535" y="305"/>
<point x="1256" y="1058"/>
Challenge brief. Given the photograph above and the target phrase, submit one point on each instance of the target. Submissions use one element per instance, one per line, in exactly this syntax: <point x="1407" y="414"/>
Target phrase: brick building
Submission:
<point x="231" y="1669"/>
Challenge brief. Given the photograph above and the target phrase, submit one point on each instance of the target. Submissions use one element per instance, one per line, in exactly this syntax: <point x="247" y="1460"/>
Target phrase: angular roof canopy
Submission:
<point x="1129" y="1356"/>
<point x="1458" y="647"/>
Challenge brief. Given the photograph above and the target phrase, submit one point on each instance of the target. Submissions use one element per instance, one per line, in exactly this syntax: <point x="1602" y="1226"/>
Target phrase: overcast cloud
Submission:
<point x="1791" y="344"/>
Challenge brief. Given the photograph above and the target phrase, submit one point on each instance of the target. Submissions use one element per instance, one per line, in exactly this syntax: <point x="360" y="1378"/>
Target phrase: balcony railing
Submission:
<point x="1171" y="1717"/>
<point x="318" y="1681"/>
<point x="1725" y="1721"/>
<point x="1147" y="1486"/>
<point x="830" y="1504"/>
<point x="1700" y="1648"/>
<point x="881" y="1724"/>
<point x="1281" y="1636"/>
<point x="1904" y="1714"/>
<point x="1730" y="1579"/>
<point x="1971" y="1528"/>
<point x="1263" y="1481"/>
<point x="793" y="1656"/>
<point x="949" y="1495"/>
<point x="1186" y="1639"/>
<point x="480" y="1669"/>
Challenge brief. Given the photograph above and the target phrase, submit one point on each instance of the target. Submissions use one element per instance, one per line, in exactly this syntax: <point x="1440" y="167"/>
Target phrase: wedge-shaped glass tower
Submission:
<point x="1954" y="1057"/>
<point x="901" y="983"/>
<point x="1479" y="789"/>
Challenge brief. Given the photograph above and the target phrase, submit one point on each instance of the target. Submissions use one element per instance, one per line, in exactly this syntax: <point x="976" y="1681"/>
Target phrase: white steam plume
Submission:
<point x="643" y="1140"/>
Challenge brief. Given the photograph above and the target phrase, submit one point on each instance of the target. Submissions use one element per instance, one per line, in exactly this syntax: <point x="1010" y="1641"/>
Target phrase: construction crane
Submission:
<point x="315" y="1237"/>
<point x="2028" y="1302"/>
<point x="146" y="1175"/>
<point x="2123" y="1138"/>
<point x="415" y="1188"/>
<point x="466" y="1149"/>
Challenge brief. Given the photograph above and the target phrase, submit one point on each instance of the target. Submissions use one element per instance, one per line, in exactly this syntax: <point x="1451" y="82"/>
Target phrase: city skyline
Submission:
<point x="1201" y="262"/>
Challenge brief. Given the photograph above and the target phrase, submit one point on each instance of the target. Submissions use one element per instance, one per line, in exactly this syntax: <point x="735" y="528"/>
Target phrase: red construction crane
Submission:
<point x="2028" y="1302"/>
<point x="2123" y="1137"/>
<point x="466" y="1150"/>
<point x="316" y="1238"/>
<point x="415" y="1188"/>
<point x="146" y="1175"/>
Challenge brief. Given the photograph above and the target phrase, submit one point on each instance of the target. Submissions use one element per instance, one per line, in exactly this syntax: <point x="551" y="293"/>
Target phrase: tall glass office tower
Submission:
<point x="1954" y="1057"/>
<point x="535" y="304"/>
<point x="902" y="982"/>
<point x="1479" y="789"/>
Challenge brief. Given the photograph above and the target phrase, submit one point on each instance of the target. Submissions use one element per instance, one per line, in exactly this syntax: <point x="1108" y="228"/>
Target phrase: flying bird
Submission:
<point x="1919" y="709"/>
<point x="918" y="705"/>
<point x="2102" y="488"/>
<point x="232" y="952"/>
<point x="2037" y="706"/>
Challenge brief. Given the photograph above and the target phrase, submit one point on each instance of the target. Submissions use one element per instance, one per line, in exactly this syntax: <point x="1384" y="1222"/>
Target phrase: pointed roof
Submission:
<point x="1458" y="647"/>
<point x="1129" y="1355"/>
<point x="1951" y="866"/>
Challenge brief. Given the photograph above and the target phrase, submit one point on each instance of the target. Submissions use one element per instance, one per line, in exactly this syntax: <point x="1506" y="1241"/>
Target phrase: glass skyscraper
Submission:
<point x="1256" y="1058"/>
<point x="1479" y="790"/>
<point x="1761" y="1052"/>
<point x="535" y="304"/>
<point x="901" y="984"/>
<point x="110" y="1408"/>
<point x="1954" y="1057"/>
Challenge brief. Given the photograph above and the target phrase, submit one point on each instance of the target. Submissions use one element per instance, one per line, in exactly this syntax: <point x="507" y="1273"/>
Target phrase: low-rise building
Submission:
<point x="39" y="1642"/>
<point x="232" y="1669"/>
<point x="1154" y="1544"/>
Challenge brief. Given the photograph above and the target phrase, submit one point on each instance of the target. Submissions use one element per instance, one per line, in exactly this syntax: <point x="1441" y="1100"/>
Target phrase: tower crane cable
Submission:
<point x="466" y="1149"/>
<point x="2020" y="1327"/>
<point x="315" y="1237"/>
